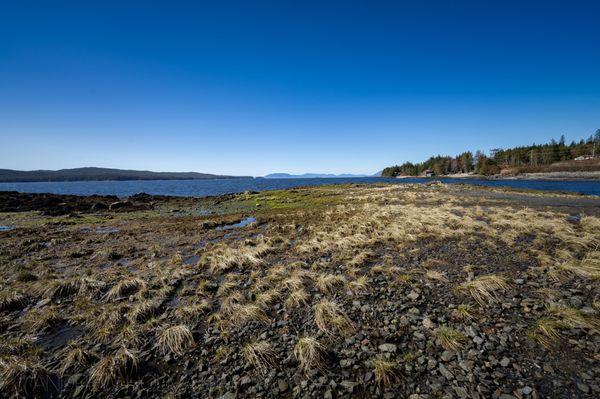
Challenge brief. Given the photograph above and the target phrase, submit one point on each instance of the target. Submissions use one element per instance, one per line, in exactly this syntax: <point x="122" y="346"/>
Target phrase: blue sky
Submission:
<point x="253" y="87"/>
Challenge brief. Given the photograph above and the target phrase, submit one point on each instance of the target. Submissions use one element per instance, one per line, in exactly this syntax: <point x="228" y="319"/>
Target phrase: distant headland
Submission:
<point x="99" y="174"/>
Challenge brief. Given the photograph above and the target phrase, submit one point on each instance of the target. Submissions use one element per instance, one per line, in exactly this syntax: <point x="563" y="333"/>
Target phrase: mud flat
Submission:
<point x="335" y="291"/>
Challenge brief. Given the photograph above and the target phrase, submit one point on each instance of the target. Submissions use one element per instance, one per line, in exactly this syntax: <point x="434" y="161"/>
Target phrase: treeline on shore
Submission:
<point x="531" y="157"/>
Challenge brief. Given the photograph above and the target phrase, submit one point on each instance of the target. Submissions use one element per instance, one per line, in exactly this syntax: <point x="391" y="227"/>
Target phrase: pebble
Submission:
<point x="387" y="348"/>
<point x="505" y="362"/>
<point x="461" y="392"/>
<point x="447" y="356"/>
<point x="427" y="323"/>
<point x="582" y="387"/>
<point x="413" y="295"/>
<point x="466" y="365"/>
<point x="445" y="372"/>
<point x="527" y="390"/>
<point x="282" y="385"/>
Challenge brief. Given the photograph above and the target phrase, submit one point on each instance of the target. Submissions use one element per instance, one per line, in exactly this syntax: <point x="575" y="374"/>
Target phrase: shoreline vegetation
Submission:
<point x="563" y="175"/>
<point x="338" y="291"/>
<point x="553" y="160"/>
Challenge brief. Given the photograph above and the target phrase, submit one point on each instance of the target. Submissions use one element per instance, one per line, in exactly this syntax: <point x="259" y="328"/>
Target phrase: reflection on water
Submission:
<point x="241" y="223"/>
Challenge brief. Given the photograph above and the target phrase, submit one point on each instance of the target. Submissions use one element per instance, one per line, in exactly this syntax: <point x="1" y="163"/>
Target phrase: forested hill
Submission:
<point x="80" y="174"/>
<point x="520" y="159"/>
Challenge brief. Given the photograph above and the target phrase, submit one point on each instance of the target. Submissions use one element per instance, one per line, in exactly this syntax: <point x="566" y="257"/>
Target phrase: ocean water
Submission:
<point x="202" y="188"/>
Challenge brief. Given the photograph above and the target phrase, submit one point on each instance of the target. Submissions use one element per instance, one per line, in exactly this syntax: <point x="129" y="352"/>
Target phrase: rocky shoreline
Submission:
<point x="342" y="291"/>
<point x="595" y="175"/>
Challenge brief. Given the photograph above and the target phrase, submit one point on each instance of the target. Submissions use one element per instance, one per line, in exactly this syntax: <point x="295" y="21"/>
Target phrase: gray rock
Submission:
<point x="447" y="356"/>
<point x="472" y="331"/>
<point x="42" y="303"/>
<point x="461" y="392"/>
<point x="466" y="365"/>
<point x="245" y="380"/>
<point x="505" y="362"/>
<point x="387" y="348"/>
<point x="282" y="385"/>
<point x="576" y="302"/>
<point x="349" y="385"/>
<point x="413" y="295"/>
<point x="445" y="372"/>
<point x="431" y="364"/>
<point x="583" y="387"/>
<point x="526" y="390"/>
<point x="427" y="323"/>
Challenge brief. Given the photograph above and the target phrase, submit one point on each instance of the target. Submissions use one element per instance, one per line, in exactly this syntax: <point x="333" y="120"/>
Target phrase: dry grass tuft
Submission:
<point x="449" y="338"/>
<point x="124" y="288"/>
<point x="176" y="339"/>
<point x="546" y="332"/>
<point x="23" y="377"/>
<point x="12" y="300"/>
<point x="144" y="310"/>
<point x="110" y="369"/>
<point x="261" y="355"/>
<point x="241" y="314"/>
<point x="330" y="317"/>
<point x="436" y="276"/>
<point x="225" y="258"/>
<point x="266" y="298"/>
<point x="176" y="260"/>
<point x="588" y="267"/>
<point x="309" y="353"/>
<point x="574" y="318"/>
<point x="484" y="289"/>
<point x="386" y="371"/>
<point x="463" y="312"/>
<point x="192" y="313"/>
<point x="296" y="299"/>
<point x="293" y="283"/>
<point x="359" y="286"/>
<point x="231" y="301"/>
<point x="328" y="283"/>
<point x="43" y="319"/>
<point x="18" y="346"/>
<point x="228" y="285"/>
<point x="75" y="357"/>
<point x="62" y="288"/>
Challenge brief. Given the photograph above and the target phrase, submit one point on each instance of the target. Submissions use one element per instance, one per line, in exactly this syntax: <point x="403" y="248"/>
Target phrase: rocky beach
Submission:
<point x="345" y="291"/>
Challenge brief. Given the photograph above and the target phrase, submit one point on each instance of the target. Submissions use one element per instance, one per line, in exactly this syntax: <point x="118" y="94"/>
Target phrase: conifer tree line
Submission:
<point x="498" y="158"/>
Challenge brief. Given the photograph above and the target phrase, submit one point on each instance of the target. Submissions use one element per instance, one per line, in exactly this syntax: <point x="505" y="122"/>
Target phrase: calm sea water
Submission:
<point x="223" y="186"/>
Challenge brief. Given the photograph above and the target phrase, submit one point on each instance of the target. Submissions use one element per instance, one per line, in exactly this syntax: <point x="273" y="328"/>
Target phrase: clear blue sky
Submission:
<point x="254" y="87"/>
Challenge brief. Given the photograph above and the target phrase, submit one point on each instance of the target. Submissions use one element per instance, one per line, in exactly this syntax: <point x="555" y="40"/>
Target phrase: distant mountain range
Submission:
<point x="308" y="175"/>
<point x="81" y="174"/>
